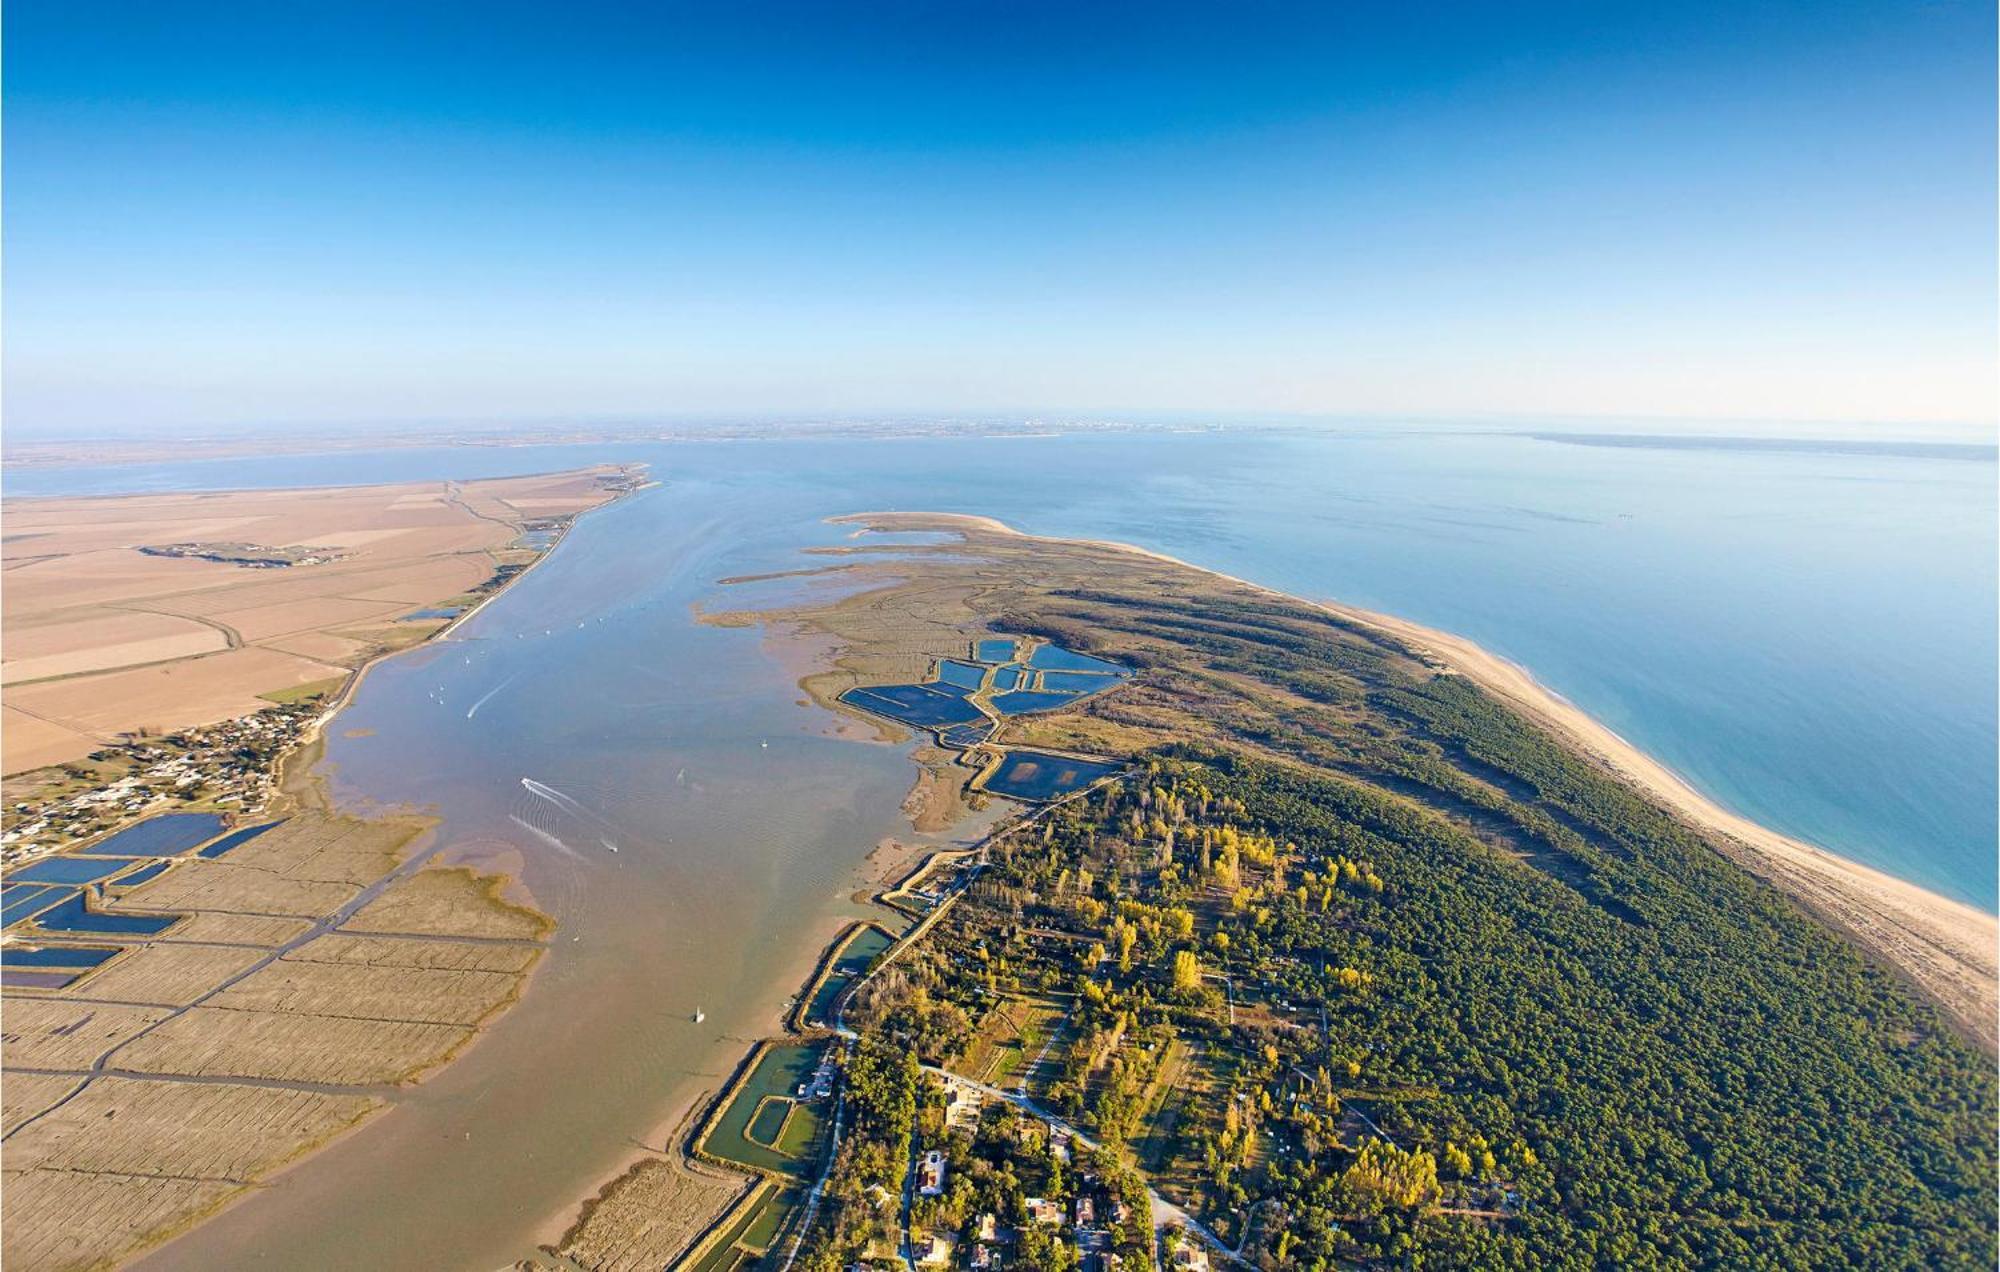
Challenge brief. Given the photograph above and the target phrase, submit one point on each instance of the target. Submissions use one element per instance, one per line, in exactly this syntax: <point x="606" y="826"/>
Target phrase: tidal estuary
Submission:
<point x="1805" y="637"/>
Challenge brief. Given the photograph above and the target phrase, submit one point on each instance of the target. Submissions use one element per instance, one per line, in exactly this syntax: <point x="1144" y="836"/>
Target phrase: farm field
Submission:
<point x="106" y="634"/>
<point x="649" y="1216"/>
<point x="219" y="1019"/>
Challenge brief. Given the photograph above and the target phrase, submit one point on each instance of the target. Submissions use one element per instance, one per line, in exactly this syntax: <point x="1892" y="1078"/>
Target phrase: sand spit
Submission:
<point x="1946" y="949"/>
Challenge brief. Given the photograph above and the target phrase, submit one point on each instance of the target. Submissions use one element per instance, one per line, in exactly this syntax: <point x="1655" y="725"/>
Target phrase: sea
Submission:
<point x="1804" y="633"/>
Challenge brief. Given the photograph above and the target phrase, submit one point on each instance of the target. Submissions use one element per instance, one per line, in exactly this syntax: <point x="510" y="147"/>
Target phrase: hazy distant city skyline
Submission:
<point x="1701" y="212"/>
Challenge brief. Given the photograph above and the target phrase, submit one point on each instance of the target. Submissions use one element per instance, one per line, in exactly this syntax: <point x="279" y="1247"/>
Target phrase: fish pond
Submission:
<point x="26" y="900"/>
<point x="68" y="870"/>
<point x="237" y="838"/>
<point x="774" y="1082"/>
<point x="856" y="953"/>
<point x="1039" y="776"/>
<point x="994" y="649"/>
<point x="920" y="705"/>
<point x="72" y="915"/>
<point x="164" y="836"/>
<point x="1056" y="658"/>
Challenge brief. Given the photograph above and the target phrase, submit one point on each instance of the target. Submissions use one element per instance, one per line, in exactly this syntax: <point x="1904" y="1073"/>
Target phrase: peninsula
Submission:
<point x="1356" y="949"/>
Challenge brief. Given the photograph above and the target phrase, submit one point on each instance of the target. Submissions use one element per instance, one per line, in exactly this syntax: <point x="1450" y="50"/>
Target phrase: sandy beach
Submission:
<point x="1946" y="949"/>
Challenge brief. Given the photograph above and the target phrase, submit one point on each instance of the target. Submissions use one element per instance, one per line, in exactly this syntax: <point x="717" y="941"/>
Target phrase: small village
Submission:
<point x="223" y="767"/>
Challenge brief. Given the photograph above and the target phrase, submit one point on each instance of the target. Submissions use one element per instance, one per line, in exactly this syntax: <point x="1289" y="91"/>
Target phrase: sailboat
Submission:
<point x="699" y="1015"/>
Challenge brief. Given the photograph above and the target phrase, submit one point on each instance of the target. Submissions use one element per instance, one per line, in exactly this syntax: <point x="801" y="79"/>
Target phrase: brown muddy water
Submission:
<point x="586" y="711"/>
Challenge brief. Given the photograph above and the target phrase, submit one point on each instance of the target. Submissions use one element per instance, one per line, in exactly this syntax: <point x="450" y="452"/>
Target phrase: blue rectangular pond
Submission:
<point x="966" y="736"/>
<point x="963" y="675"/>
<point x="29" y="898"/>
<point x="1077" y="681"/>
<point x="914" y="704"/>
<point x="141" y="875"/>
<point x="68" y="869"/>
<point x="1038" y="776"/>
<point x="73" y="916"/>
<point x="237" y="838"/>
<point x="56" y="955"/>
<point x="1056" y="658"/>
<point x="161" y="836"/>
<point x="997" y="649"/>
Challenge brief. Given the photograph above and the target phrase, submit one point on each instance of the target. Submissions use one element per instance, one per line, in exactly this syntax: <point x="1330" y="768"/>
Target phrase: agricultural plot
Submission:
<point x="245" y="594"/>
<point x="648" y="1217"/>
<point x="48" y="1033"/>
<point x="172" y="975"/>
<point x="178" y="1151"/>
<point x="294" y="1046"/>
<point x="1010" y="1037"/>
<point x="23" y="1095"/>
<point x="448" y="902"/>
<point x="99" y="1166"/>
<point x="753" y="1233"/>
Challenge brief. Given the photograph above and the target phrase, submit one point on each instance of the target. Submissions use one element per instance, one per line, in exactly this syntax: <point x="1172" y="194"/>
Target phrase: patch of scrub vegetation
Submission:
<point x="311" y="691"/>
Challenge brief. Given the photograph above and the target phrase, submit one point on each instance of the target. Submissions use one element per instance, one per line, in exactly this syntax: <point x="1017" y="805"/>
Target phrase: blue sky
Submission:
<point x="225" y="214"/>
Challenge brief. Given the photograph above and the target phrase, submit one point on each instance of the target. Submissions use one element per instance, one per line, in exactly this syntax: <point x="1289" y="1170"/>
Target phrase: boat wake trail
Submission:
<point x="557" y="798"/>
<point x="487" y="697"/>
<point x="542" y="790"/>
<point x="544" y="836"/>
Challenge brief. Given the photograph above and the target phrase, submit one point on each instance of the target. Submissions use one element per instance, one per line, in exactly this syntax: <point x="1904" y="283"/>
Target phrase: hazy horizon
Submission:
<point x="1709" y="213"/>
<point x="1024" y="421"/>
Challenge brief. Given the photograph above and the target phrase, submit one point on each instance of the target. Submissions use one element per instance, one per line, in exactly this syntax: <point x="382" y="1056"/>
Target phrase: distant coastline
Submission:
<point x="1977" y="452"/>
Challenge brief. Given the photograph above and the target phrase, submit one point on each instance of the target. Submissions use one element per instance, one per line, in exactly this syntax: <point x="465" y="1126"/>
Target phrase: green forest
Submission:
<point x="1361" y="969"/>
